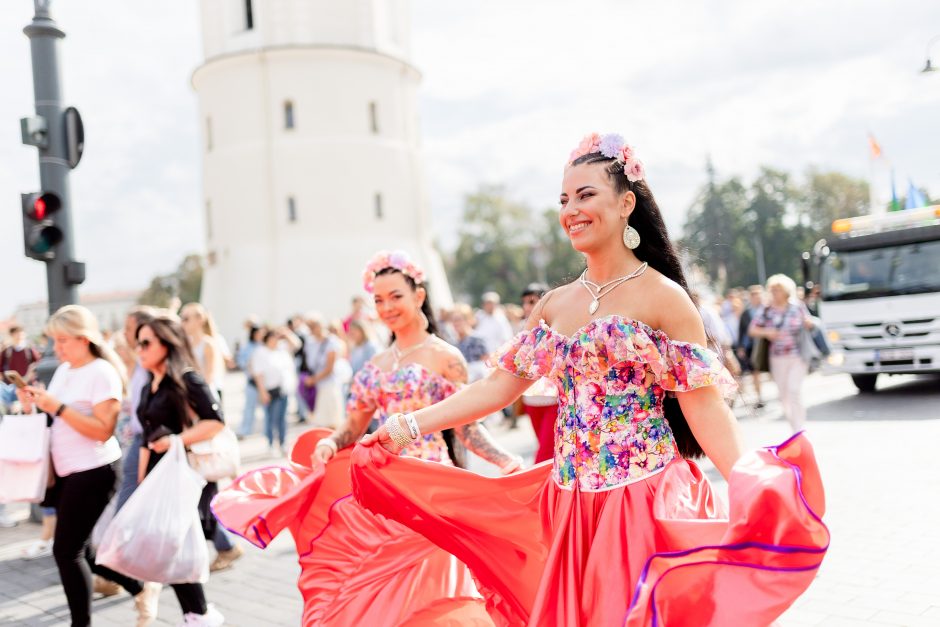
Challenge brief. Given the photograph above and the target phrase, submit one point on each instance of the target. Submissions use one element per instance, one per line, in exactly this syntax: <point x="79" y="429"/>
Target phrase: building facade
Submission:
<point x="110" y="308"/>
<point x="311" y="154"/>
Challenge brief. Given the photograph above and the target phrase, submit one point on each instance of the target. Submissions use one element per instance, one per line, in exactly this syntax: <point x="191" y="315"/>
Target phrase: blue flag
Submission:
<point x="914" y="198"/>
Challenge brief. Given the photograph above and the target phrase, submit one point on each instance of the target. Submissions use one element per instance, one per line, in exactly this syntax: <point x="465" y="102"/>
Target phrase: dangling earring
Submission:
<point x="631" y="237"/>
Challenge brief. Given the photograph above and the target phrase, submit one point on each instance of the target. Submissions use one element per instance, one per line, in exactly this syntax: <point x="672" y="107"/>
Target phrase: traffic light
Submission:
<point x="40" y="233"/>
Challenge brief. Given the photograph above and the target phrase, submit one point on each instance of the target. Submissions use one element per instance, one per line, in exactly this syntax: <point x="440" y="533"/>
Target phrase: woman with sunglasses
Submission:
<point x="177" y="402"/>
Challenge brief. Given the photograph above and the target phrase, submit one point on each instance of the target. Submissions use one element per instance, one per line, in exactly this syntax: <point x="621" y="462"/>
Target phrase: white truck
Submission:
<point x="879" y="280"/>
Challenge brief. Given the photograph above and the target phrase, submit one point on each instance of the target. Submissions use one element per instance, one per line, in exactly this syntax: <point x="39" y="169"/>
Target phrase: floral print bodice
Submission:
<point x="409" y="388"/>
<point x="612" y="377"/>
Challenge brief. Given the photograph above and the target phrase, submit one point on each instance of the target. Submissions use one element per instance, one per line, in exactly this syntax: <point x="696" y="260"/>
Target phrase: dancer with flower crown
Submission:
<point x="359" y="568"/>
<point x="622" y="527"/>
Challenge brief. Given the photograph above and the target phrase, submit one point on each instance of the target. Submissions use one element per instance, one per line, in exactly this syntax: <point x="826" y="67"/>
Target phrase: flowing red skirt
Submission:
<point x="661" y="551"/>
<point x="357" y="568"/>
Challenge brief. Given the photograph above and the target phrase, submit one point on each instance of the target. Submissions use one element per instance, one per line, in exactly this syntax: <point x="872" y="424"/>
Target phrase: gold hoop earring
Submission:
<point x="631" y="237"/>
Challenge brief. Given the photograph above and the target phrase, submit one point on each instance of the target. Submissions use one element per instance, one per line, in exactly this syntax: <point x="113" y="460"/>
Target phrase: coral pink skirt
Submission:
<point x="660" y="551"/>
<point x="356" y="568"/>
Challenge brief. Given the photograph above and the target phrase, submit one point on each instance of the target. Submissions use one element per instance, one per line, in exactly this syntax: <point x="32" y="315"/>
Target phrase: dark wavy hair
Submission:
<point x="454" y="449"/>
<point x="179" y="359"/>
<point x="657" y="250"/>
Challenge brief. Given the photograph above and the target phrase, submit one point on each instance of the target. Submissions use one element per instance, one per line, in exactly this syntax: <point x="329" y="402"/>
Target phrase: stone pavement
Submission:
<point x="882" y="479"/>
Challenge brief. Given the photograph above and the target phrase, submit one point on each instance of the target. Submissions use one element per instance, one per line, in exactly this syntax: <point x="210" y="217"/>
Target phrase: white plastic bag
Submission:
<point x="24" y="458"/>
<point x="157" y="535"/>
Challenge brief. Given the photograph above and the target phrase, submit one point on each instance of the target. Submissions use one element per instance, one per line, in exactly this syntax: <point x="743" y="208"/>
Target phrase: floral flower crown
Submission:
<point x="611" y="146"/>
<point x="397" y="259"/>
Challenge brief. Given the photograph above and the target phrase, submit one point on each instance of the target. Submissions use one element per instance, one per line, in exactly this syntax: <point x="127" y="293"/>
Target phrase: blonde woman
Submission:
<point x="781" y="322"/>
<point x="83" y="400"/>
<point x="203" y="338"/>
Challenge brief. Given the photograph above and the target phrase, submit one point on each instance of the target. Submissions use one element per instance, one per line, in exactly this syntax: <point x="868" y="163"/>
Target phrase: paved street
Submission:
<point x="877" y="454"/>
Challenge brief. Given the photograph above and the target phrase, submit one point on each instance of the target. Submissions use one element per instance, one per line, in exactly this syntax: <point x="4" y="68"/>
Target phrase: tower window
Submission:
<point x="249" y="15"/>
<point x="209" y="219"/>
<point x="288" y="114"/>
<point x="208" y="134"/>
<point x="374" y="117"/>
<point x="378" y="207"/>
<point x="291" y="209"/>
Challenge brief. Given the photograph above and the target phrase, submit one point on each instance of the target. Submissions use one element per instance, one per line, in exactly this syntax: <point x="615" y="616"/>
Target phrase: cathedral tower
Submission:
<point x="311" y="158"/>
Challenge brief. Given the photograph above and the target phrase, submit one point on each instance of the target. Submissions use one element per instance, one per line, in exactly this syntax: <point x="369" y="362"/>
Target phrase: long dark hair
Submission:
<point x="179" y="359"/>
<point x="454" y="449"/>
<point x="657" y="250"/>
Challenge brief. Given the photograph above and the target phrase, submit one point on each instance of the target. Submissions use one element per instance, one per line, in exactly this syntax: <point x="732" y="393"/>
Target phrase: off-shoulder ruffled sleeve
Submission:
<point x="532" y="354"/>
<point x="692" y="366"/>
<point x="364" y="390"/>
<point x="676" y="366"/>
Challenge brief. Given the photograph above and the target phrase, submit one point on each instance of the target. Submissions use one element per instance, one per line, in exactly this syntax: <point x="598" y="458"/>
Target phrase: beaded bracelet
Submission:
<point x="396" y="432"/>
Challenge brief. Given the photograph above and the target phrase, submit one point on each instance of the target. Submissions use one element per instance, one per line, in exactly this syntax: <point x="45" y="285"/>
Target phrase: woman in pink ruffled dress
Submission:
<point x="621" y="528"/>
<point x="359" y="568"/>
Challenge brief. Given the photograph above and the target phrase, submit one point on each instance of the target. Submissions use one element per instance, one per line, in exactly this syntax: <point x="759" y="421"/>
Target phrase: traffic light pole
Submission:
<point x="63" y="273"/>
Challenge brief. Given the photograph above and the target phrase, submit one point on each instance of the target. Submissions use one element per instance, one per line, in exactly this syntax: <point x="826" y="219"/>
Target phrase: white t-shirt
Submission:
<point x="276" y="367"/>
<point x="81" y="389"/>
<point x="494" y="329"/>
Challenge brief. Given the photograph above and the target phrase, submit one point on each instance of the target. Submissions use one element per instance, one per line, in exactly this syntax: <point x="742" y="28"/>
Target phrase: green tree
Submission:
<point x="185" y="283"/>
<point x="773" y="222"/>
<point x="495" y="246"/>
<point x="714" y="229"/>
<point x="830" y="196"/>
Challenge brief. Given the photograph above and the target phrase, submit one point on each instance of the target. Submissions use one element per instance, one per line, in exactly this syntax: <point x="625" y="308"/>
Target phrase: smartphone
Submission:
<point x="14" y="377"/>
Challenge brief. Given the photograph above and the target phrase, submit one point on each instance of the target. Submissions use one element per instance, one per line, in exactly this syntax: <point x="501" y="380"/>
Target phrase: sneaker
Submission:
<point x="39" y="548"/>
<point x="7" y="521"/>
<point x="147" y="604"/>
<point x="212" y="618"/>
<point x="104" y="587"/>
<point x="225" y="559"/>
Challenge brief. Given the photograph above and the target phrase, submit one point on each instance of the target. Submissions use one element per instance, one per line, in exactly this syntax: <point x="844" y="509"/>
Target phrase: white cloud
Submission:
<point x="508" y="89"/>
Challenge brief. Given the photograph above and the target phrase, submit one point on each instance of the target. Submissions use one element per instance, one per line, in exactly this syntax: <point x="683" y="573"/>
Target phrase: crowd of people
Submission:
<point x="781" y="315"/>
<point x="624" y="374"/>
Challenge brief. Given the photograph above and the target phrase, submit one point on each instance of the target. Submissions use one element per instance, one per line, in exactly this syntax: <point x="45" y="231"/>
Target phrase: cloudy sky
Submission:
<point x="509" y="88"/>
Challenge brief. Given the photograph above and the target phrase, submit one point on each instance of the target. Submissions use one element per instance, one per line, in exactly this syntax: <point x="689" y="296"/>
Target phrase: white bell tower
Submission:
<point x="311" y="158"/>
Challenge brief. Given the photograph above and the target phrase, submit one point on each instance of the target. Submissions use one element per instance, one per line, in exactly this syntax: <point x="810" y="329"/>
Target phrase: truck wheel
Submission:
<point x="865" y="382"/>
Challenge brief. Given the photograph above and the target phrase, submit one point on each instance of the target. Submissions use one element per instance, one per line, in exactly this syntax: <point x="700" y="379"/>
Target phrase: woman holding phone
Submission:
<point x="83" y="401"/>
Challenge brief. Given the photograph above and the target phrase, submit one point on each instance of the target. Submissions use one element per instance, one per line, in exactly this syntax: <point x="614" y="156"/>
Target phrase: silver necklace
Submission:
<point x="398" y="354"/>
<point x="598" y="292"/>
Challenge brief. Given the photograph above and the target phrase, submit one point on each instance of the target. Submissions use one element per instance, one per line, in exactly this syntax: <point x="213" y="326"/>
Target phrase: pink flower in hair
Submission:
<point x="634" y="170"/>
<point x="627" y="154"/>
<point x="590" y="143"/>
<point x="399" y="260"/>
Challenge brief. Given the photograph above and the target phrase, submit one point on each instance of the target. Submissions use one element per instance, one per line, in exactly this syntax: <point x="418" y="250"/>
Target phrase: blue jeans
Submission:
<point x="275" y="418"/>
<point x="129" y="471"/>
<point x="251" y="406"/>
<point x="222" y="540"/>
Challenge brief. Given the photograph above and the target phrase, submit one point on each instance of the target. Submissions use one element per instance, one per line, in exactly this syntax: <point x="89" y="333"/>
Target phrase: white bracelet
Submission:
<point x="412" y="426"/>
<point x="396" y="432"/>
<point x="330" y="443"/>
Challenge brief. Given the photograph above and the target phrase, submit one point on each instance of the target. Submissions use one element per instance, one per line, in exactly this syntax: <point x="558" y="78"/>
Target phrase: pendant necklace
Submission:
<point x="398" y="354"/>
<point x="598" y="292"/>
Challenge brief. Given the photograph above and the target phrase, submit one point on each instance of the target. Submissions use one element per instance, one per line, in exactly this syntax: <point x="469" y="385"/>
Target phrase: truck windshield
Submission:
<point x="907" y="269"/>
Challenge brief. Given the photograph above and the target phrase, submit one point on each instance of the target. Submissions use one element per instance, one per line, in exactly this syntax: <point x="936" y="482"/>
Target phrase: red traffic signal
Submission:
<point x="43" y="205"/>
<point x="40" y="232"/>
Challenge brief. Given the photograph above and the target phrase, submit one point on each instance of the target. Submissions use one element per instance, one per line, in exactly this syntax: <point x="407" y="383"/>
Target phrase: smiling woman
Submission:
<point x="623" y="528"/>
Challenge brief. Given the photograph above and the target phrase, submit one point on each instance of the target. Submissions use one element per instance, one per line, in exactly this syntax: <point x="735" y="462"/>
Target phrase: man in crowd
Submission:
<point x="492" y="325"/>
